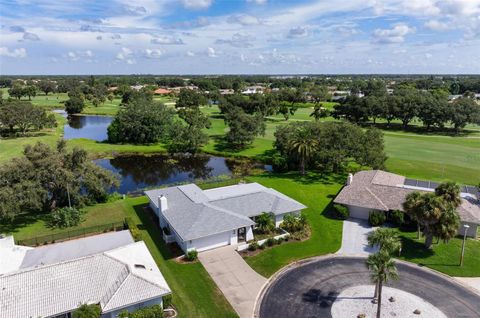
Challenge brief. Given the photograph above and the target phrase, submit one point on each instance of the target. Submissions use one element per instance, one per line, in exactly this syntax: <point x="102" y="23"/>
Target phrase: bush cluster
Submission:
<point x="376" y="218"/>
<point x="134" y="230"/>
<point x="294" y="223"/>
<point x="341" y="212"/>
<point x="155" y="311"/>
<point x="191" y="255"/>
<point x="397" y="217"/>
<point x="65" y="217"/>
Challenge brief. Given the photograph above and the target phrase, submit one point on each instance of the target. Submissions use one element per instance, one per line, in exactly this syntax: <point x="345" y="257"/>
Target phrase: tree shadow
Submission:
<point x="22" y="220"/>
<point x="147" y="219"/>
<point x="433" y="131"/>
<point x="310" y="177"/>
<point x="412" y="249"/>
<point x="318" y="297"/>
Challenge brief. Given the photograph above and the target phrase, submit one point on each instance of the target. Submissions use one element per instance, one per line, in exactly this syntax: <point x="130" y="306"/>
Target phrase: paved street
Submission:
<point x="238" y="282"/>
<point x="310" y="289"/>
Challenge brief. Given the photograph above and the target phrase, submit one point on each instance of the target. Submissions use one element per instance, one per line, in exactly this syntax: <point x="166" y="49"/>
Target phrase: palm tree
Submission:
<point x="87" y="311"/>
<point x="265" y="223"/>
<point x="450" y="192"/>
<point x="411" y="206"/>
<point x="388" y="242"/>
<point x="303" y="145"/>
<point x="382" y="269"/>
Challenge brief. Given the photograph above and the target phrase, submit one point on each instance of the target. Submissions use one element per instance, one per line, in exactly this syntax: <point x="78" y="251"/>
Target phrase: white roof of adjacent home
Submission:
<point x="11" y="255"/>
<point x="115" y="279"/>
<point x="194" y="213"/>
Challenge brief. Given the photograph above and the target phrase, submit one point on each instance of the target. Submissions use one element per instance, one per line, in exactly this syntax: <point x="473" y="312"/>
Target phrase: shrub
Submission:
<point x="134" y="230"/>
<point x="253" y="246"/>
<point x="265" y="222"/>
<point x="279" y="240"/>
<point x="87" y="311"/>
<point x="192" y="255"/>
<point x="167" y="301"/>
<point x="376" y="218"/>
<point x="155" y="311"/>
<point x="270" y="242"/>
<point x="65" y="217"/>
<point x="166" y="230"/>
<point x="341" y="212"/>
<point x="397" y="217"/>
<point x="262" y="246"/>
<point x="294" y="223"/>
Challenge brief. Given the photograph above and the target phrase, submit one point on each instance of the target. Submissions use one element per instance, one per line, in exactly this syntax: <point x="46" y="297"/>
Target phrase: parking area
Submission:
<point x="238" y="282"/>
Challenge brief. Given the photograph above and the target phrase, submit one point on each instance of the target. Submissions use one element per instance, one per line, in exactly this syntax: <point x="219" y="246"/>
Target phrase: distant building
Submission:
<point x="256" y="89"/>
<point x="162" y="91"/>
<point x="137" y="87"/>
<point x="226" y="91"/>
<point x="53" y="280"/>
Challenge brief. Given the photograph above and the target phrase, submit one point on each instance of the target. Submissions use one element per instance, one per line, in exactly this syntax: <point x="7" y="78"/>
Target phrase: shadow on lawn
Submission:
<point x="309" y="177"/>
<point x="149" y="224"/>
<point x="22" y="220"/>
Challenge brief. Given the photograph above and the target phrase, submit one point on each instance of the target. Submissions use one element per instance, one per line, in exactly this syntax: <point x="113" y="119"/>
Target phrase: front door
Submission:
<point x="241" y="234"/>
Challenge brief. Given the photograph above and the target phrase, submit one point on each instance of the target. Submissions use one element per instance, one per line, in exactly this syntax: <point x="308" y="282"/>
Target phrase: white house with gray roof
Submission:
<point x="52" y="281"/>
<point x="384" y="191"/>
<point x="205" y="219"/>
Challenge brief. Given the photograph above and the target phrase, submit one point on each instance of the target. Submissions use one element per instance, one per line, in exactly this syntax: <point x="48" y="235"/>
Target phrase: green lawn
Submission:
<point x="29" y="226"/>
<point x="13" y="147"/>
<point x="443" y="257"/>
<point x="316" y="192"/>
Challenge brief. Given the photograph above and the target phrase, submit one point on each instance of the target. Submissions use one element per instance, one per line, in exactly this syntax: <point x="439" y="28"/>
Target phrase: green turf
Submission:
<point x="316" y="192"/>
<point x="443" y="257"/>
<point x="28" y="226"/>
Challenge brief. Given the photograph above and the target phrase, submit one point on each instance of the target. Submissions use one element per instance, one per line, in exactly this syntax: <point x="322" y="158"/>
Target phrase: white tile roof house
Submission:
<point x="205" y="219"/>
<point x="108" y="269"/>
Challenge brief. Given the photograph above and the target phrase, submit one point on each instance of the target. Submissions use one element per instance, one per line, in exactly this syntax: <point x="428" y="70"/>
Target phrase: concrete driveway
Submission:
<point x="238" y="282"/>
<point x="354" y="238"/>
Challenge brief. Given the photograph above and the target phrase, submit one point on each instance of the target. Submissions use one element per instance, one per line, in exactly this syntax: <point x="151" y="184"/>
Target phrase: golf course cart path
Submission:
<point x="238" y="282"/>
<point x="354" y="238"/>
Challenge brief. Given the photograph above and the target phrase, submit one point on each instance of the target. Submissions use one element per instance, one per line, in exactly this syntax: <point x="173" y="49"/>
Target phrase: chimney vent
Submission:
<point x="350" y="179"/>
<point x="162" y="203"/>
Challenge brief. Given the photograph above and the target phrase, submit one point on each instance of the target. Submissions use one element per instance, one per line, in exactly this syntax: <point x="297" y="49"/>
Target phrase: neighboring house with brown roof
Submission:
<point x="162" y="91"/>
<point x="383" y="191"/>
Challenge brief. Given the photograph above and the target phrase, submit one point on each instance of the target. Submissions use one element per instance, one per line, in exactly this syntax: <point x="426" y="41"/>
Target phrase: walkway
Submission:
<point x="236" y="279"/>
<point x="354" y="238"/>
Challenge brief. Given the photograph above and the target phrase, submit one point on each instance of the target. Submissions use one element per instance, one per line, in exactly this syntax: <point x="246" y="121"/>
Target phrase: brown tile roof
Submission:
<point x="162" y="91"/>
<point x="384" y="191"/>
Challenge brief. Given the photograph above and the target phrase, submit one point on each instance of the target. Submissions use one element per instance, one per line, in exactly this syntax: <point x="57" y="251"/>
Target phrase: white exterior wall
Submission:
<point x="131" y="308"/>
<point x="212" y="241"/>
<point x="249" y="233"/>
<point x="358" y="212"/>
<point x="471" y="232"/>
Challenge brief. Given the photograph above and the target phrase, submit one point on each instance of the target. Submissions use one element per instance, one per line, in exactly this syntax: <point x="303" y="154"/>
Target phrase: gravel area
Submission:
<point x="357" y="300"/>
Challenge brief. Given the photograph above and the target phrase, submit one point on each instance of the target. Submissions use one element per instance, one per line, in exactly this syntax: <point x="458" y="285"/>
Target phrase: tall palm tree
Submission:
<point x="265" y="223"/>
<point x="450" y="192"/>
<point x="303" y="145"/>
<point x="387" y="240"/>
<point x="382" y="269"/>
<point x="411" y="206"/>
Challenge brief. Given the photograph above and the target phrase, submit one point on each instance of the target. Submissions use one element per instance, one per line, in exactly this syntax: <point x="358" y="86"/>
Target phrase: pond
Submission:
<point x="139" y="172"/>
<point x="90" y="127"/>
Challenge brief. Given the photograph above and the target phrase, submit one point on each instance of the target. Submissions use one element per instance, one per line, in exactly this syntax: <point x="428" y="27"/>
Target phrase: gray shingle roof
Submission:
<point x="380" y="190"/>
<point x="194" y="213"/>
<point x="60" y="252"/>
<point x="107" y="278"/>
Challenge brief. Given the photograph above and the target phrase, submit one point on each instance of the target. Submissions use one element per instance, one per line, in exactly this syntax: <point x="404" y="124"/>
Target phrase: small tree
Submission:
<point x="87" y="311"/>
<point x="303" y="145"/>
<point x="382" y="269"/>
<point x="265" y="223"/>
<point x="65" y="217"/>
<point x="74" y="105"/>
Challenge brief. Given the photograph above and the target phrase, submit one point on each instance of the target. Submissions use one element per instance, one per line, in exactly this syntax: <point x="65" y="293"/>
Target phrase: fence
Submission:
<point x="71" y="234"/>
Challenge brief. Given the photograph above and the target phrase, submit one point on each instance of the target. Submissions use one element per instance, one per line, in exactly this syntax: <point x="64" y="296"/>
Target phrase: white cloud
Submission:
<point x="243" y="19"/>
<point x="166" y="40"/>
<point x="297" y="32"/>
<point x="72" y="56"/>
<point x="190" y="53"/>
<point x="394" y="35"/>
<point x="17" y="28"/>
<point x="197" y="4"/>
<point x="211" y="52"/>
<point x="16" y="53"/>
<point x="30" y="36"/>
<point x="124" y="53"/>
<point x="238" y="40"/>
<point x="436" y="25"/>
<point x="153" y="53"/>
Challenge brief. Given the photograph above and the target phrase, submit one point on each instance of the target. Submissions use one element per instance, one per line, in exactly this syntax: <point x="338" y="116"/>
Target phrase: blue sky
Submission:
<point x="239" y="36"/>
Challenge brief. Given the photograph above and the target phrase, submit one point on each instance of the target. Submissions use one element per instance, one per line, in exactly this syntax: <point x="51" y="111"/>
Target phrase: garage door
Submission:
<point x="209" y="242"/>
<point x="358" y="212"/>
